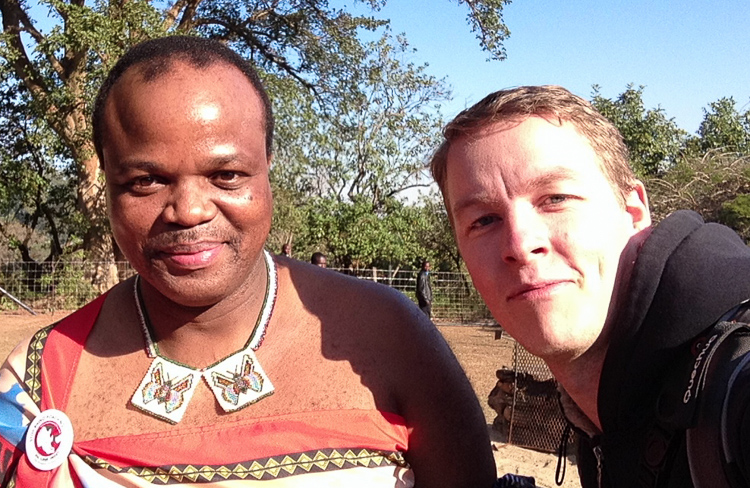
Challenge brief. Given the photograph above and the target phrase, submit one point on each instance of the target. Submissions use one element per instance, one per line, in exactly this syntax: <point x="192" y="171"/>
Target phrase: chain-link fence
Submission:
<point x="455" y="300"/>
<point x="526" y="401"/>
<point x="537" y="421"/>
<point x="52" y="286"/>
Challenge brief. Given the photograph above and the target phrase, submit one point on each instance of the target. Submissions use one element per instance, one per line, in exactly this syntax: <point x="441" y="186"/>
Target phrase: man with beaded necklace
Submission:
<point x="219" y="362"/>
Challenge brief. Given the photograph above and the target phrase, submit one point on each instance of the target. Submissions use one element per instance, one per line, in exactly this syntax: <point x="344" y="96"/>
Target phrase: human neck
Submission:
<point x="580" y="379"/>
<point x="200" y="336"/>
<point x="580" y="376"/>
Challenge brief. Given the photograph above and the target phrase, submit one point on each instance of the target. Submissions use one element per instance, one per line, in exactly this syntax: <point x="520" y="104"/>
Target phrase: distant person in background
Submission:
<point x="424" y="290"/>
<point x="319" y="259"/>
<point x="286" y="250"/>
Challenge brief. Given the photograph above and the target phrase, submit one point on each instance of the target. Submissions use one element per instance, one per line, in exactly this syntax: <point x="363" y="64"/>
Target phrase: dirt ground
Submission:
<point x="481" y="355"/>
<point x="477" y="351"/>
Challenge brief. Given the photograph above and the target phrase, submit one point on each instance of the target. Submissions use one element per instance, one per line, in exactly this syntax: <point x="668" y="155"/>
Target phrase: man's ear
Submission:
<point x="636" y="204"/>
<point x="270" y="160"/>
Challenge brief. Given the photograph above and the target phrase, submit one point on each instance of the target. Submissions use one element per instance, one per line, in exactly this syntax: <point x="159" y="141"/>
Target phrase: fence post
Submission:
<point x="19" y="302"/>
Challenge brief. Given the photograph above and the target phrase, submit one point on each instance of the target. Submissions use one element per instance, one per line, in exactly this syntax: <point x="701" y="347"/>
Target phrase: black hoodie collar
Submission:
<point x="687" y="275"/>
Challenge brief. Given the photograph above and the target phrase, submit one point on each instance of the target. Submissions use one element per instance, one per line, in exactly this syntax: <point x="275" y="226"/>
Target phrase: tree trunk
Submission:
<point x="97" y="241"/>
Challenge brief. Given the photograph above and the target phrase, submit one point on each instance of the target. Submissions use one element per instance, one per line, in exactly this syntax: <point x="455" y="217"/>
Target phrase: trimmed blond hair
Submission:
<point x="554" y="103"/>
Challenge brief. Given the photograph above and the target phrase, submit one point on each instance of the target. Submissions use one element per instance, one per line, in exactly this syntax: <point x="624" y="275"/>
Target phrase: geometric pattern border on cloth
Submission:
<point x="33" y="373"/>
<point x="260" y="469"/>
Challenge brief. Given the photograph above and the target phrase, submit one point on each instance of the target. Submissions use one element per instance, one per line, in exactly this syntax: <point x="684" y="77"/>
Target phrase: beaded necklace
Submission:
<point x="236" y="381"/>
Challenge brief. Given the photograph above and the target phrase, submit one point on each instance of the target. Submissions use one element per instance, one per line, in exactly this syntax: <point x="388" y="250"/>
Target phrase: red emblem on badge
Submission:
<point x="49" y="440"/>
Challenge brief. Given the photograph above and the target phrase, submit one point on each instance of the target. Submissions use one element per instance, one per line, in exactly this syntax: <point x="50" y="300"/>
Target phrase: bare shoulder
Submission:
<point x="17" y="357"/>
<point x="378" y="330"/>
<point x="368" y="309"/>
<point x="403" y="360"/>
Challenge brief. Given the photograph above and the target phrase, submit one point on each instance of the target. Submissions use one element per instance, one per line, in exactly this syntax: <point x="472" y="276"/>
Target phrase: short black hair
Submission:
<point x="157" y="57"/>
<point x="316" y="257"/>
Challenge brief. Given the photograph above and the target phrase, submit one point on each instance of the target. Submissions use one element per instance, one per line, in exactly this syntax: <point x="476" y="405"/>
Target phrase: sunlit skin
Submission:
<point x="541" y="230"/>
<point x="187" y="181"/>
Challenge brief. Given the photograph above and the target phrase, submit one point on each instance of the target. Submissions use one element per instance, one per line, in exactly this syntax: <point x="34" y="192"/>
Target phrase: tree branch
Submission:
<point x="13" y="20"/>
<point x="170" y="15"/>
<point x="247" y="35"/>
<point x="188" y="15"/>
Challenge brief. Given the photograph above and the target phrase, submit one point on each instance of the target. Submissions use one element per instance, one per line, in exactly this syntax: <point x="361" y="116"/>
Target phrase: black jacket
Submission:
<point x="424" y="291"/>
<point x="687" y="275"/>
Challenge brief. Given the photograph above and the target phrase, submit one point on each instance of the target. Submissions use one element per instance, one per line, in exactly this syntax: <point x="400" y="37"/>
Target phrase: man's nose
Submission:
<point x="190" y="204"/>
<point x="525" y="237"/>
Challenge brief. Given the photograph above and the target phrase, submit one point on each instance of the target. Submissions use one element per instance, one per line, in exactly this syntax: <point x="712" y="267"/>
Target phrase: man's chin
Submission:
<point x="548" y="342"/>
<point x="194" y="290"/>
<point x="192" y="298"/>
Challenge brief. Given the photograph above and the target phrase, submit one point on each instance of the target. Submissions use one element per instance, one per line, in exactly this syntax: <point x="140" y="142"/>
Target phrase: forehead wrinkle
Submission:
<point x="474" y="200"/>
<point x="549" y="177"/>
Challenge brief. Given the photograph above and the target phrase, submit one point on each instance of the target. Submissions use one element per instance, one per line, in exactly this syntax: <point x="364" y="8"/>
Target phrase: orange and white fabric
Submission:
<point x="327" y="448"/>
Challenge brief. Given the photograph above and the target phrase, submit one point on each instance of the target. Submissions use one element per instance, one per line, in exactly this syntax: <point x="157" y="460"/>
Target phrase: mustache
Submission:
<point x="185" y="237"/>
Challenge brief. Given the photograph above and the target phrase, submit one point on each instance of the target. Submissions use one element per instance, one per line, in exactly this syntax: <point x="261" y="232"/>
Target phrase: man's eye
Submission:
<point x="144" y="182"/>
<point x="227" y="177"/>
<point x="555" y="199"/>
<point x="483" y="221"/>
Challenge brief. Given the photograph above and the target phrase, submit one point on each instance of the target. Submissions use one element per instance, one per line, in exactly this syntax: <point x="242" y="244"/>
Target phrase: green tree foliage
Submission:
<point x="371" y="140"/>
<point x="653" y="140"/>
<point x="708" y="172"/>
<point x="36" y="198"/>
<point x="54" y="53"/>
<point x="724" y="128"/>
<point x="486" y="20"/>
<point x="360" y="234"/>
<point x="715" y="185"/>
<point x="435" y="235"/>
<point x="357" y="234"/>
<point x="51" y="72"/>
<point x="736" y="214"/>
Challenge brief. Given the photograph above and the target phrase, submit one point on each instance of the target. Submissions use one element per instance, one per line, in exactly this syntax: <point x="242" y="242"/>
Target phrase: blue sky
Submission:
<point x="687" y="53"/>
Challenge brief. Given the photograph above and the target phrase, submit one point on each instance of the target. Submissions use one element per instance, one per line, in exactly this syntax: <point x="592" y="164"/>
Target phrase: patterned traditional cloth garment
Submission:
<point x="329" y="448"/>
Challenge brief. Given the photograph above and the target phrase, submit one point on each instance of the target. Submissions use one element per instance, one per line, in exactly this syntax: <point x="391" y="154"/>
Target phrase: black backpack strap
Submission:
<point x="714" y="443"/>
<point x="691" y="403"/>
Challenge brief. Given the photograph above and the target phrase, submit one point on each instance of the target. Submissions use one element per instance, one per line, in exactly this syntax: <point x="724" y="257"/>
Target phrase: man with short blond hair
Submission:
<point x="553" y="102"/>
<point x="556" y="233"/>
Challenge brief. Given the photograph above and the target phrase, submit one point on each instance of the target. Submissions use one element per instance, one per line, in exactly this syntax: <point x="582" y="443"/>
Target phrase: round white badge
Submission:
<point x="49" y="440"/>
